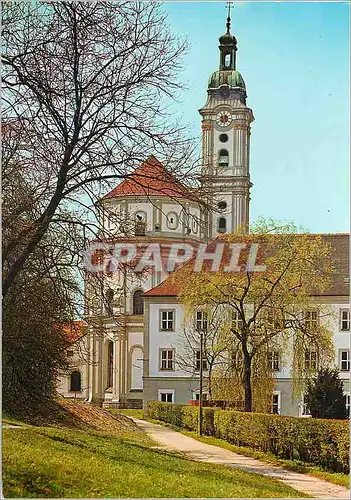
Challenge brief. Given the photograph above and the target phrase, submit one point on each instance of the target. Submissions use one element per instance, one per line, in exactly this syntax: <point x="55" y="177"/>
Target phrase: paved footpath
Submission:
<point x="202" y="452"/>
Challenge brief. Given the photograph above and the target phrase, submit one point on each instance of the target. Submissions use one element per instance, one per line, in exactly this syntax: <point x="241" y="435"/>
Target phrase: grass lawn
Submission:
<point x="52" y="462"/>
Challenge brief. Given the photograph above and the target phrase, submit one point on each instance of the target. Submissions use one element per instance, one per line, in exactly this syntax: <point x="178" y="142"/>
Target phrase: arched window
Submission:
<point x="109" y="300"/>
<point x="222" y="225"/>
<point x="110" y="365"/>
<point x="223" y="158"/>
<point x="140" y="223"/>
<point x="76" y="381"/>
<point x="138" y="302"/>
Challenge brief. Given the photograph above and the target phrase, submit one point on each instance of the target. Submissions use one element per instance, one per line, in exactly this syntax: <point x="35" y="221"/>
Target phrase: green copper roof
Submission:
<point x="231" y="77"/>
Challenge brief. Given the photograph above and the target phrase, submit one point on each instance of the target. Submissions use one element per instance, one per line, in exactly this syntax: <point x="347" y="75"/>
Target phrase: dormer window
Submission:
<point x="140" y="224"/>
<point x="223" y="158"/>
<point x="172" y="220"/>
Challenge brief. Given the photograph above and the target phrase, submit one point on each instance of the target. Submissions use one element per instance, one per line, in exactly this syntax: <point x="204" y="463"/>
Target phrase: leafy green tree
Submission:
<point x="324" y="397"/>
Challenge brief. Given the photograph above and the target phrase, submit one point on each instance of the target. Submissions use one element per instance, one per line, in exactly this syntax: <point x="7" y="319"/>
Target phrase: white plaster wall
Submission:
<point x="173" y="340"/>
<point x="164" y="340"/>
<point x="137" y="368"/>
<point x="136" y="338"/>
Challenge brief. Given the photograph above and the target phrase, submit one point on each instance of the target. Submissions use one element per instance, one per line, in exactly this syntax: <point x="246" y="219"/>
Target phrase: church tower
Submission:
<point x="226" y="144"/>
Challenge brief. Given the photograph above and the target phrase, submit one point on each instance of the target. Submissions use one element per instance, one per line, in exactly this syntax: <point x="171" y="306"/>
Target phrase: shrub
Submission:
<point x="324" y="395"/>
<point x="315" y="441"/>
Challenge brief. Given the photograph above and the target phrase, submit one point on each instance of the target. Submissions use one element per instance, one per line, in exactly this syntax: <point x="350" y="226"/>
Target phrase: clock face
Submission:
<point x="224" y="118"/>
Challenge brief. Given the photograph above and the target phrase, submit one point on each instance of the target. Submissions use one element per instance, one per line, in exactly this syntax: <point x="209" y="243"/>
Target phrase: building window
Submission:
<point x="347" y="403"/>
<point x="109" y="365"/>
<point x="167" y="359"/>
<point x="222" y="225"/>
<point x="197" y="361"/>
<point x="138" y="302"/>
<point x="310" y="360"/>
<point x="166" y="396"/>
<point x="223" y="137"/>
<point x="167" y="320"/>
<point x="201" y="320"/>
<point x="345" y="360"/>
<point x="274" y="319"/>
<point x="140" y="224"/>
<point x="197" y="396"/>
<point x="109" y="301"/>
<point x="303" y="409"/>
<point x="223" y="158"/>
<point x="172" y="220"/>
<point x="273" y="361"/>
<point x="222" y="205"/>
<point x="236" y="321"/>
<point x="311" y="320"/>
<point x="236" y="359"/>
<point x="345" y="320"/>
<point x="75" y="382"/>
<point x="276" y="403"/>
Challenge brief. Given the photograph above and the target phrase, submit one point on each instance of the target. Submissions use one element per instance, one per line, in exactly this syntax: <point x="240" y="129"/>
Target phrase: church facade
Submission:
<point x="131" y="339"/>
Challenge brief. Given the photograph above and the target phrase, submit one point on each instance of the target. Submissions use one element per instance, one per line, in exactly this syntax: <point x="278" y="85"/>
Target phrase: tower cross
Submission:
<point x="228" y="18"/>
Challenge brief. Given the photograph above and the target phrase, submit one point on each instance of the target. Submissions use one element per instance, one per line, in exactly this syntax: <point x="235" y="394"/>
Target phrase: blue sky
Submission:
<point x="294" y="58"/>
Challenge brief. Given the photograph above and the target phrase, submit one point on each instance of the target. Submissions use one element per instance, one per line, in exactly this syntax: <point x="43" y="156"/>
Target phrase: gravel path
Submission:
<point x="202" y="452"/>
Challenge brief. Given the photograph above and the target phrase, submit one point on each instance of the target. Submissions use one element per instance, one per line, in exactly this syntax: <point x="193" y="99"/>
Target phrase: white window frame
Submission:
<point x="303" y="408"/>
<point x="166" y="391"/>
<point x="236" y="320"/>
<point x="201" y="321"/>
<point x="311" y="319"/>
<point x="309" y="361"/>
<point x="346" y="320"/>
<point x="172" y="225"/>
<point x="167" y="359"/>
<point x="196" y="396"/>
<point x="197" y="361"/>
<point x="170" y="323"/>
<point x="274" y="360"/>
<point x="279" y="394"/>
<point x="348" y="401"/>
<point x="347" y="360"/>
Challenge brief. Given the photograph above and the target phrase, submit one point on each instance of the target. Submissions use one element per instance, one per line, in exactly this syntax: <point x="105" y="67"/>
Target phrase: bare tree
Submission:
<point x="216" y="343"/>
<point x="88" y="87"/>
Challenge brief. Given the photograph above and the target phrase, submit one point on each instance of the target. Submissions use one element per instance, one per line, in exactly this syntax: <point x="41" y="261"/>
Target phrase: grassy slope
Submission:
<point x="293" y="465"/>
<point x="53" y="462"/>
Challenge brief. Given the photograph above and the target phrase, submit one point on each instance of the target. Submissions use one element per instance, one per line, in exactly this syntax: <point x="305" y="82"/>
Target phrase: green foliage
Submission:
<point x="324" y="395"/>
<point x="315" y="441"/>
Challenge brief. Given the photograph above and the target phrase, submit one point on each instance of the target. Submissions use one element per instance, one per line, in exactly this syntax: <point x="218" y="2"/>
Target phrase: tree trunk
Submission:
<point x="209" y="384"/>
<point x="247" y="382"/>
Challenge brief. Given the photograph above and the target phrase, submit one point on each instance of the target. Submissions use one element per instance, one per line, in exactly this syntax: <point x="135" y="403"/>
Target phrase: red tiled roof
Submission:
<point x="73" y="330"/>
<point x="339" y="286"/>
<point x="150" y="179"/>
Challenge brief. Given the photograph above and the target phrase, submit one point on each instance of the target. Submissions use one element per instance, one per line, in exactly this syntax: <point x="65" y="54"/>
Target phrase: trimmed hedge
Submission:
<point x="311" y="440"/>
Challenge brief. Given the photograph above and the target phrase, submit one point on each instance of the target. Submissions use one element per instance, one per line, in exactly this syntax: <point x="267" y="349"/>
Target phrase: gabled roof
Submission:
<point x="340" y="246"/>
<point x="151" y="179"/>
